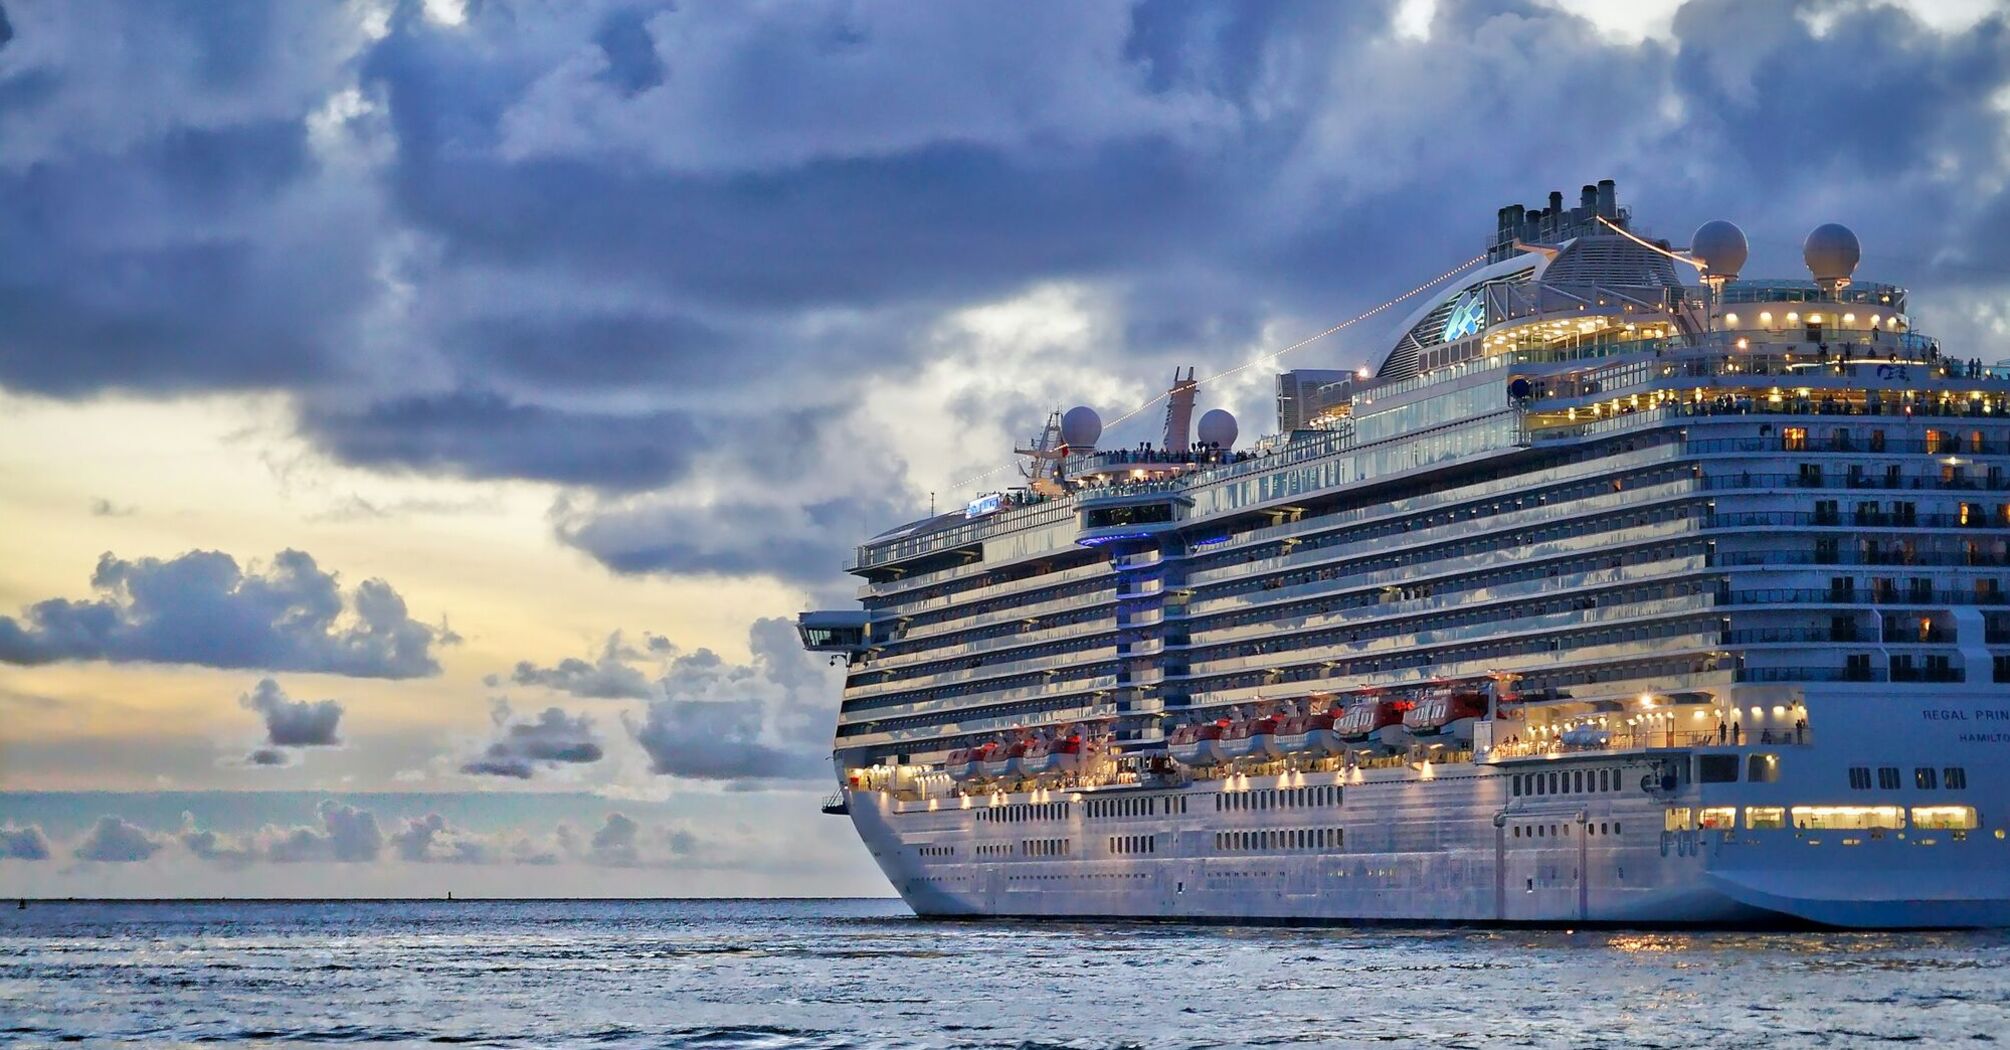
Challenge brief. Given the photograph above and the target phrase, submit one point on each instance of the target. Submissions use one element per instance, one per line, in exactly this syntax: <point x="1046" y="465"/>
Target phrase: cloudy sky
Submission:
<point x="419" y="420"/>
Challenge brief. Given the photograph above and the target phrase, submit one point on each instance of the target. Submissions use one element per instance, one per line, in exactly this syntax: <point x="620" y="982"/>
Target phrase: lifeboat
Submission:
<point x="1004" y="760"/>
<point x="1373" y="723"/>
<point x="1196" y="745"/>
<point x="1256" y="738"/>
<point x="965" y="763"/>
<point x="1036" y="760"/>
<point x="1067" y="754"/>
<point x="1310" y="735"/>
<point x="1448" y="716"/>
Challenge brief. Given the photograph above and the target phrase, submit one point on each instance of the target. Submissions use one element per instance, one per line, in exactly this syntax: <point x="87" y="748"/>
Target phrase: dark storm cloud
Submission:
<point x="292" y="723"/>
<point x="114" y="841"/>
<point x="607" y="676"/>
<point x="486" y="435"/>
<point x="202" y="608"/>
<point x="550" y="739"/>
<point x="23" y="843"/>
<point x="346" y="834"/>
<point x="567" y="243"/>
<point x="760" y="721"/>
<point x="808" y="545"/>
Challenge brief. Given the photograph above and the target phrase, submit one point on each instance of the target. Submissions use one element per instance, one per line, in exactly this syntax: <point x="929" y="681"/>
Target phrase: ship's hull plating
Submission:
<point x="1456" y="845"/>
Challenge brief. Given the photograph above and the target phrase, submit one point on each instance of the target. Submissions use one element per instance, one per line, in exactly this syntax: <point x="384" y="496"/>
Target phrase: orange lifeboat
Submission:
<point x="1446" y="716"/>
<point x="1256" y="738"/>
<point x="1004" y="760"/>
<point x="1374" y="723"/>
<point x="1310" y="735"/>
<point x="1196" y="745"/>
<point x="965" y="763"/>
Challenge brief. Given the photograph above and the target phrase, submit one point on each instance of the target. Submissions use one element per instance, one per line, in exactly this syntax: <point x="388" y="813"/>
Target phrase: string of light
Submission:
<point x="1628" y="234"/>
<point x="1272" y="356"/>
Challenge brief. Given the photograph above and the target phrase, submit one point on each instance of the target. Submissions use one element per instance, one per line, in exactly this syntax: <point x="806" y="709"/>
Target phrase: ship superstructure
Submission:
<point x="1603" y="597"/>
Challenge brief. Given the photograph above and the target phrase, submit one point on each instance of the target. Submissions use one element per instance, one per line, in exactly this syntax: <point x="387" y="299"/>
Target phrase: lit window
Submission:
<point x="1846" y="817"/>
<point x="1720" y="818"/>
<point x="1765" y="817"/>
<point x="1956" y="818"/>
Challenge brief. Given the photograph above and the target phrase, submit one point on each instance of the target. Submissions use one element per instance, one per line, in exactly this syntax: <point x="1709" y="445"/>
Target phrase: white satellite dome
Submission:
<point x="1721" y="247"/>
<point x="1832" y="253"/>
<point x="1217" y="428"/>
<point x="1081" y="427"/>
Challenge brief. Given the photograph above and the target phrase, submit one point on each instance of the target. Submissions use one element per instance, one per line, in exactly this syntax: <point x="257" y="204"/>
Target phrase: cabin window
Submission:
<point x="1926" y="778"/>
<point x="1956" y="778"/>
<point x="1887" y="778"/>
<point x="1762" y="769"/>
<point x="1677" y="818"/>
<point x="1859" y="778"/>
<point x="1718" y="818"/>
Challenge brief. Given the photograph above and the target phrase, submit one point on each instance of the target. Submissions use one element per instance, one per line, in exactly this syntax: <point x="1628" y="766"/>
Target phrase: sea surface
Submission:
<point x="726" y="974"/>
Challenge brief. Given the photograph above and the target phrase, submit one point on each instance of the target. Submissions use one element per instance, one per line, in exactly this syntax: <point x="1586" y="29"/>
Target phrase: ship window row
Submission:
<point x="1277" y="798"/>
<point x="1820" y="818"/>
<point x="1925" y="778"/>
<point x="1061" y="563"/>
<point x="1146" y="806"/>
<point x="1046" y="847"/>
<point x="1867" y="548"/>
<point x="1553" y="831"/>
<point x="1104" y="586"/>
<point x="897" y="644"/>
<point x="1555" y="642"/>
<point x="935" y="851"/>
<point x="1935" y="441"/>
<point x="1567" y="782"/>
<point x="1569" y="528"/>
<point x="1280" y="839"/>
<point x="1056" y="676"/>
<point x="951" y="664"/>
<point x="1025" y="710"/>
<point x="1473" y="483"/>
<point x="1129" y="844"/>
<point x="1500" y="617"/>
<point x="1934" y="475"/>
<point x="1554" y="497"/>
<point x="994" y="849"/>
<point x="1522" y="571"/>
<point x="1021" y="812"/>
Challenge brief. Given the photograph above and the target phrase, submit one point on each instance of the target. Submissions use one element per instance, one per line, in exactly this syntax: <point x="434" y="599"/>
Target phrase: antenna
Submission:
<point x="1179" y="411"/>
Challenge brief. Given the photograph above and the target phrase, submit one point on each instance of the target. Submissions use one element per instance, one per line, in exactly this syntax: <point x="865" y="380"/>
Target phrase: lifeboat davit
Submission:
<point x="1373" y="723"/>
<point x="1004" y="760"/>
<point x="1196" y="745"/>
<point x="1448" y="717"/>
<point x="1067" y="754"/>
<point x="1256" y="738"/>
<point x="1310" y="735"/>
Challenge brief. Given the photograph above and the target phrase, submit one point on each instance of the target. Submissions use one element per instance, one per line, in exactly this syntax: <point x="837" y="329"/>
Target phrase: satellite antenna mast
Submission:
<point x="1179" y="411"/>
<point x="1044" y="457"/>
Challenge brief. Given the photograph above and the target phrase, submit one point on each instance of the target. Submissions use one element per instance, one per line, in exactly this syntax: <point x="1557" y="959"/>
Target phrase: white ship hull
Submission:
<point x="1455" y="845"/>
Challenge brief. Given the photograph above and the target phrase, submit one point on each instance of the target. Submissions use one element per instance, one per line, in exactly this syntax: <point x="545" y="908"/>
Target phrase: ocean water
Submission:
<point x="725" y="974"/>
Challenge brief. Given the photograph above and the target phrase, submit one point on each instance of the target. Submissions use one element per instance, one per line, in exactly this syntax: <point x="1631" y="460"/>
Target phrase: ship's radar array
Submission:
<point x="1721" y="249"/>
<point x="1832" y="252"/>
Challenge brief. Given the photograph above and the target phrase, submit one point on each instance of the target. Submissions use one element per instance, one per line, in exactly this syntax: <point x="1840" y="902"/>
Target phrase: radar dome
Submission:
<point x="1720" y="246"/>
<point x="1081" y="427"/>
<point x="1832" y="253"/>
<point x="1217" y="428"/>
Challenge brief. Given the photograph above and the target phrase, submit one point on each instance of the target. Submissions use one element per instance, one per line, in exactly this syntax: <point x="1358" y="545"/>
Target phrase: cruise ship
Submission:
<point x="1623" y="590"/>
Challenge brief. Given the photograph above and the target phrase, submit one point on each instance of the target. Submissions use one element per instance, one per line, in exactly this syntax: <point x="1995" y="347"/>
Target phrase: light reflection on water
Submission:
<point x="863" y="973"/>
